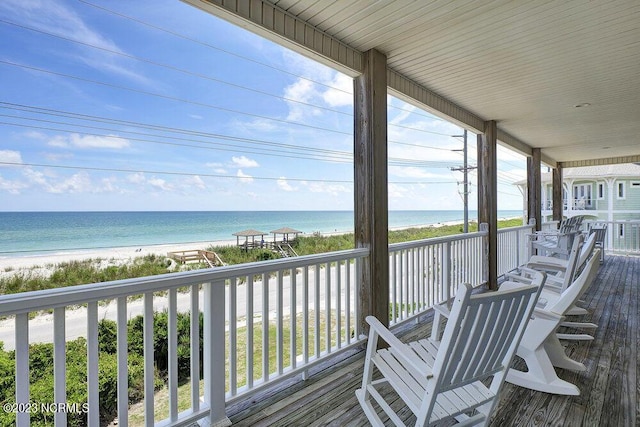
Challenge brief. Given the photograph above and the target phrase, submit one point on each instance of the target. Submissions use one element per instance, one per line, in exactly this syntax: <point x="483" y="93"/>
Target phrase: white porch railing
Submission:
<point x="623" y="236"/>
<point x="426" y="272"/>
<point x="513" y="247"/>
<point x="263" y="322"/>
<point x="309" y="304"/>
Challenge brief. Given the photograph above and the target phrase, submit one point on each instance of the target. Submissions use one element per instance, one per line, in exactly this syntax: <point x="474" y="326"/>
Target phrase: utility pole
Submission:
<point x="465" y="183"/>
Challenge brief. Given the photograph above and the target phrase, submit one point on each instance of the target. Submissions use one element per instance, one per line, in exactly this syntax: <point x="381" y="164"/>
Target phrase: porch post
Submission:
<point x="558" y="203"/>
<point x="487" y="195"/>
<point x="534" y="187"/>
<point x="370" y="186"/>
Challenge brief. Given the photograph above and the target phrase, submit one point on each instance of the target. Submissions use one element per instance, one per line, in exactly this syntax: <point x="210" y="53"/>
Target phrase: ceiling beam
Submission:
<point x="598" y="162"/>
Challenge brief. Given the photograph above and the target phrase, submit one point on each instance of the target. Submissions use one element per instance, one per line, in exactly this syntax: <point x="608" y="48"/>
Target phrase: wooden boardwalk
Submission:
<point x="609" y="387"/>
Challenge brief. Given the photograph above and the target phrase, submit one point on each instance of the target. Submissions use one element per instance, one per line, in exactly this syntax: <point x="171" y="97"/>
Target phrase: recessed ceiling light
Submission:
<point x="584" y="104"/>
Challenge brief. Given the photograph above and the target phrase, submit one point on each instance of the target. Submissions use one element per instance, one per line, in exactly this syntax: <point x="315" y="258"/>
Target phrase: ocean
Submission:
<point x="31" y="233"/>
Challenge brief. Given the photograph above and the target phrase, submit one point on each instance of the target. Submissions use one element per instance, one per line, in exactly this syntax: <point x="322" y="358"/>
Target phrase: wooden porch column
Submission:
<point x="534" y="188"/>
<point x="557" y="193"/>
<point x="488" y="196"/>
<point x="370" y="186"/>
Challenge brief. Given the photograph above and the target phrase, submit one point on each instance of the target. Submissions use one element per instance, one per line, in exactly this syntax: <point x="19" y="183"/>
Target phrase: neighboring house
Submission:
<point x="605" y="193"/>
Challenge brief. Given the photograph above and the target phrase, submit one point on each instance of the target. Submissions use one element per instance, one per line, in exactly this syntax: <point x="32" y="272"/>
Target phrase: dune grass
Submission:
<point x="99" y="270"/>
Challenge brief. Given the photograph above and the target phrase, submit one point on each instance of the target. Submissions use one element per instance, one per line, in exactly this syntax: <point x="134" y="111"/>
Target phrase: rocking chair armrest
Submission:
<point x="546" y="314"/>
<point x="515" y="277"/>
<point x="401" y="349"/>
<point x="545" y="266"/>
<point x="442" y="309"/>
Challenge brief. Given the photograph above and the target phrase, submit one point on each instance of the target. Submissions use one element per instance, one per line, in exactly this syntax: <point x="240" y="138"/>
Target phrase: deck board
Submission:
<point x="609" y="386"/>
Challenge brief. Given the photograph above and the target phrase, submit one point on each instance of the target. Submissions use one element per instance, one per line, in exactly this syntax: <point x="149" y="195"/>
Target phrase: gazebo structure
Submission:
<point x="250" y="234"/>
<point x="285" y="231"/>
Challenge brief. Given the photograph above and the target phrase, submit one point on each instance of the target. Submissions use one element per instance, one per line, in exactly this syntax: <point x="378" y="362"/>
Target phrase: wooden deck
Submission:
<point x="609" y="387"/>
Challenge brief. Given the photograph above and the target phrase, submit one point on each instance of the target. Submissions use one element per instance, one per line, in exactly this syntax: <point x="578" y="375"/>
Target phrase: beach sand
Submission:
<point x="44" y="263"/>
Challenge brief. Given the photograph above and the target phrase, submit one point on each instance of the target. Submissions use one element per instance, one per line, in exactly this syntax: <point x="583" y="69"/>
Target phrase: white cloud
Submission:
<point x="417" y="172"/>
<point x="76" y="183"/>
<point x="195" y="181"/>
<point x="342" y="95"/>
<point x="10" y="156"/>
<point x="89" y="141"/>
<point x="11" y="187"/>
<point x="284" y="185"/>
<point x="322" y="187"/>
<point x="136" y="178"/>
<point x="55" y="17"/>
<point x="243" y="176"/>
<point x="244" y="162"/>
<point x="302" y="91"/>
<point x="160" y="184"/>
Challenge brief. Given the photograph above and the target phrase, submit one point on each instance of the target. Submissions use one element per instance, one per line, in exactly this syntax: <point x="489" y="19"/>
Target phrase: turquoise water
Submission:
<point x="28" y="233"/>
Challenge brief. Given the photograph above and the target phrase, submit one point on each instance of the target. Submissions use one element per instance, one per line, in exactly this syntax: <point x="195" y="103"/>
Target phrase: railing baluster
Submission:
<point x="317" y="310"/>
<point x="250" y="348"/>
<point x="59" y="364"/>
<point x="172" y="337"/>
<point x="123" y="368"/>
<point x="305" y="315"/>
<point x="233" y="336"/>
<point x="347" y="299"/>
<point x="149" y="368"/>
<point x="93" y="381"/>
<point x="214" y="352"/>
<point x="338" y="282"/>
<point x="293" y="350"/>
<point x="327" y="308"/>
<point x="194" y="334"/>
<point x="394" y="286"/>
<point x="358" y="274"/>
<point x="265" y="327"/>
<point x="279" y="324"/>
<point x="22" y="367"/>
<point x="448" y="270"/>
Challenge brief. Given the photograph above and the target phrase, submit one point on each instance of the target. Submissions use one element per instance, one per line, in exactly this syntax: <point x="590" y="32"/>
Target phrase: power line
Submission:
<point x="180" y="70"/>
<point x="206" y="175"/>
<point x="330" y="155"/>
<point x="167" y="97"/>
<point x="220" y="81"/>
<point x="205" y="44"/>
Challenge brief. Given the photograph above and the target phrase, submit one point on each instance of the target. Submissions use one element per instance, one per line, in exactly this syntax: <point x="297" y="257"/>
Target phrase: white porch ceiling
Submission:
<point x="525" y="64"/>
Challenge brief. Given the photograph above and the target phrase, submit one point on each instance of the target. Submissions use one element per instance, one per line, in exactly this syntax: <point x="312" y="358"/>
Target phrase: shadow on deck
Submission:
<point x="609" y="386"/>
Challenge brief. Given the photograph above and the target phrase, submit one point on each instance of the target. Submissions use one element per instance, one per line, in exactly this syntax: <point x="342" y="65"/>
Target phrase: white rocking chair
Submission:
<point x="440" y="380"/>
<point x="540" y="346"/>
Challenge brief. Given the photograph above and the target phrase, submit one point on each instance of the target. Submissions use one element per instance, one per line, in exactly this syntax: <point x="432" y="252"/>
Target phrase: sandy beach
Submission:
<point x="122" y="255"/>
<point x="118" y="256"/>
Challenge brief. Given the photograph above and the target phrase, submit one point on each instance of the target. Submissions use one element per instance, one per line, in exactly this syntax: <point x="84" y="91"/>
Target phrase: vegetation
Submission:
<point x="90" y="271"/>
<point x="41" y="369"/>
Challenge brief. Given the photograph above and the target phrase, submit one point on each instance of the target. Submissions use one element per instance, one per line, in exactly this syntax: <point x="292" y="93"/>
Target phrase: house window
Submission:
<point x="621" y="190"/>
<point x="635" y="184"/>
<point x="621" y="230"/>
<point x="600" y="190"/>
<point x="582" y="196"/>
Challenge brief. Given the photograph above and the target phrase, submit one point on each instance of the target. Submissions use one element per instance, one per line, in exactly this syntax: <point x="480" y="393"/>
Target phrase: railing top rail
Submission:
<point x="435" y="241"/>
<point x="509" y="229"/>
<point x="26" y="302"/>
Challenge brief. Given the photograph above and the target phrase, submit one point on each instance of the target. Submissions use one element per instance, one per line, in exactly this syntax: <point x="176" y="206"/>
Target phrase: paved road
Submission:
<point x="41" y="327"/>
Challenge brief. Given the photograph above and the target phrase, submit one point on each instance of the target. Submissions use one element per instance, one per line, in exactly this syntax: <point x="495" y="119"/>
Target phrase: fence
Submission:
<point x="262" y="322"/>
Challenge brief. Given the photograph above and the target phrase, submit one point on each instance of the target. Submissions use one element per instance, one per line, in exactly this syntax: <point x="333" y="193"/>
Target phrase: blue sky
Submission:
<point x="156" y="105"/>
